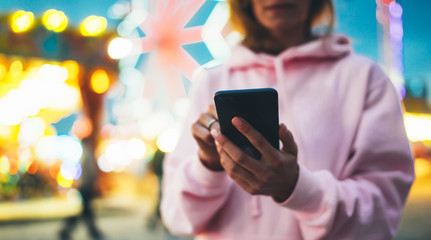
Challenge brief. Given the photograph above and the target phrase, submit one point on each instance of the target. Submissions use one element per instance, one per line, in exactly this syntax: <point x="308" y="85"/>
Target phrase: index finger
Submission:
<point x="236" y="154"/>
<point x="255" y="137"/>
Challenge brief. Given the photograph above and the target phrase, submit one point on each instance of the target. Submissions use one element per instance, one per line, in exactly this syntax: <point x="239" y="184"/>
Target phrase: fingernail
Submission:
<point x="214" y="133"/>
<point x="237" y="122"/>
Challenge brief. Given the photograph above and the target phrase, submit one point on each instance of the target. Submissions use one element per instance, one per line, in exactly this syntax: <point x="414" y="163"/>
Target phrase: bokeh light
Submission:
<point x="136" y="148"/>
<point x="5" y="131"/>
<point x="55" y="20"/>
<point x="422" y="167"/>
<point x="16" y="68"/>
<point x="53" y="73"/>
<point x="22" y="21"/>
<point x="32" y="167"/>
<point x="13" y="167"/>
<point x="10" y="112"/>
<point x="116" y="153"/>
<point x="31" y="130"/>
<point x="99" y="81"/>
<point x="82" y="128"/>
<point x="93" y="26"/>
<point x="68" y="148"/>
<point x="24" y="155"/>
<point x="35" y="94"/>
<point x="104" y="164"/>
<point x="395" y="9"/>
<point x="167" y="141"/>
<point x="63" y="182"/>
<point x="396" y="30"/>
<point x="64" y="97"/>
<point x="4" y="165"/>
<point x="3" y="71"/>
<point x="418" y="127"/>
<point x="45" y="149"/>
<point x="70" y="171"/>
<point x="72" y="68"/>
<point x="119" y="48"/>
<point x="54" y="170"/>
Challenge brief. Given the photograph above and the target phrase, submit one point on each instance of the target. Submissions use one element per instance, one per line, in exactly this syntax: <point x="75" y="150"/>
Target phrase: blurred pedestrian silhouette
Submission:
<point x="92" y="107"/>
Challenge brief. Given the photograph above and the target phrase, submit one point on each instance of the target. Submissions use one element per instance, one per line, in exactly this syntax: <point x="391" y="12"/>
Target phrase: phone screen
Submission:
<point x="259" y="107"/>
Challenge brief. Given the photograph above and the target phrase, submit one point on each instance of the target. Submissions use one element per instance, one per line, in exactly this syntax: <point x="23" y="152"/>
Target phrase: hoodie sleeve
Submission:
<point x="191" y="193"/>
<point x="367" y="200"/>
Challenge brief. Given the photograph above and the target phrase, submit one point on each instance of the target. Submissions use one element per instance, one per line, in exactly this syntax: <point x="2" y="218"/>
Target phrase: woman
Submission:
<point x="345" y="166"/>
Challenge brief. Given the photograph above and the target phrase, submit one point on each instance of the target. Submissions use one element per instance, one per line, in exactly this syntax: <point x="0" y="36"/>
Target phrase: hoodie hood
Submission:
<point x="331" y="47"/>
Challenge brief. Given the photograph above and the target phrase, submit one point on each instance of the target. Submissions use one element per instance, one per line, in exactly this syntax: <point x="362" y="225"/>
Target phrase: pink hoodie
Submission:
<point x="356" y="167"/>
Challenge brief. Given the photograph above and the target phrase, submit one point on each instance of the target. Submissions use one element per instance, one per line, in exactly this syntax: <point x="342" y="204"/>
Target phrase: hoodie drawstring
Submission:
<point x="255" y="206"/>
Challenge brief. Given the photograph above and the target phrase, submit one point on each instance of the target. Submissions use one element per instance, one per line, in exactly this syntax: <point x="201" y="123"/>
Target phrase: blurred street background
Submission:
<point x="92" y="94"/>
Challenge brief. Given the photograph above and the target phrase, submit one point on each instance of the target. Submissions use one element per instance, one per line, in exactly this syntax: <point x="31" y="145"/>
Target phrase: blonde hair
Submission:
<point x="258" y="38"/>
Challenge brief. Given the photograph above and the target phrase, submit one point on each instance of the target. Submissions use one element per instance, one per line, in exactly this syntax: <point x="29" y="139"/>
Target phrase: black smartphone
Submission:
<point x="259" y="107"/>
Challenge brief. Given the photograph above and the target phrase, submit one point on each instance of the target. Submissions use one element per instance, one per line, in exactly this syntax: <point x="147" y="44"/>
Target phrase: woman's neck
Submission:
<point x="291" y="38"/>
<point x="284" y="39"/>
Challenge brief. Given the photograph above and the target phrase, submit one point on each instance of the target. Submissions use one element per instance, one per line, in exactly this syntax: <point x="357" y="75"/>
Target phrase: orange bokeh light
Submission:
<point x="13" y="166"/>
<point x="82" y="128"/>
<point x="32" y="167"/>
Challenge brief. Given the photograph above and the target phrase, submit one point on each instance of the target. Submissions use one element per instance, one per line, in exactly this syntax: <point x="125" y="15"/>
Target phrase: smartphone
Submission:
<point x="259" y="107"/>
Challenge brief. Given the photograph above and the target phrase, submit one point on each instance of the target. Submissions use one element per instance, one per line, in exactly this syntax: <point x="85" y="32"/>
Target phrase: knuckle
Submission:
<point x="240" y="157"/>
<point x="216" y="126"/>
<point x="234" y="168"/>
<point x="201" y="116"/>
<point x="258" y="185"/>
<point x="223" y="163"/>
<point x="221" y="141"/>
<point x="193" y="129"/>
<point x="263" y="179"/>
<point x="277" y="163"/>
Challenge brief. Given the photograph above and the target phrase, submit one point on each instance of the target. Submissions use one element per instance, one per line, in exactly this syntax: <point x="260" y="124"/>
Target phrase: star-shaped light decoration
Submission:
<point x="165" y="35"/>
<point x="171" y="40"/>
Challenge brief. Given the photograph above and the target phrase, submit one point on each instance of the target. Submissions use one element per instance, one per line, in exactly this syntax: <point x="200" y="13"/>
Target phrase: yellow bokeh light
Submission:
<point x="99" y="81"/>
<point x="16" y="68"/>
<point x="50" y="131"/>
<point x="136" y="148"/>
<point x="4" y="165"/>
<point x="66" y="183"/>
<point x="5" y="131"/>
<point x="418" y="126"/>
<point x="93" y="26"/>
<point x="22" y="21"/>
<point x="3" y="71"/>
<point x="72" y="69"/>
<point x="422" y="167"/>
<point x="167" y="141"/>
<point x="55" y="20"/>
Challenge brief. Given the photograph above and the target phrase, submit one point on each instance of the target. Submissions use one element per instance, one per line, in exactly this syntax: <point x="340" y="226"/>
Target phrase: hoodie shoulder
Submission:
<point x="356" y="65"/>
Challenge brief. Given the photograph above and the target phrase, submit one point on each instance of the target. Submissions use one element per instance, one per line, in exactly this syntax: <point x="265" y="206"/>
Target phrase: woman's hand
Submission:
<point x="275" y="174"/>
<point x="201" y="133"/>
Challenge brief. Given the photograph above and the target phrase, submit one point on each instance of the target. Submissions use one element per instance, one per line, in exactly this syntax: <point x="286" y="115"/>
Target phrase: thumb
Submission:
<point x="287" y="140"/>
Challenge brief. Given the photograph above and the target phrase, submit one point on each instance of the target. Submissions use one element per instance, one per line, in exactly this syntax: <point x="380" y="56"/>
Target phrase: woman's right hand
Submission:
<point x="201" y="133"/>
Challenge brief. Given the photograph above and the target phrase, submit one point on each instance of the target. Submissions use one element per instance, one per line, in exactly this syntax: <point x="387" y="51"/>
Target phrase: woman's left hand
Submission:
<point x="275" y="174"/>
